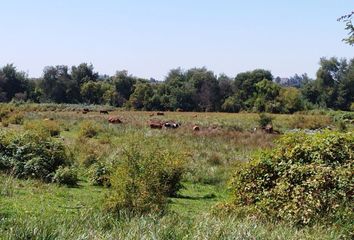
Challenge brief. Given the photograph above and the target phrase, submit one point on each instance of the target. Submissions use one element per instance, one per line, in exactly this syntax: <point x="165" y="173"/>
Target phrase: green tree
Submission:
<point x="141" y="97"/>
<point x="290" y="100"/>
<point x="124" y="83"/>
<point x="92" y="92"/>
<point x="244" y="85"/>
<point x="58" y="86"/>
<point x="347" y="19"/>
<point x="231" y="104"/>
<point x="12" y="82"/>
<point x="83" y="73"/>
<point x="265" y="95"/>
<point x="207" y="92"/>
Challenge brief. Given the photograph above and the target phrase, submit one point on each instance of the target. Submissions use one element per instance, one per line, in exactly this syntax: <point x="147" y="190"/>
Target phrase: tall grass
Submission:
<point x="88" y="225"/>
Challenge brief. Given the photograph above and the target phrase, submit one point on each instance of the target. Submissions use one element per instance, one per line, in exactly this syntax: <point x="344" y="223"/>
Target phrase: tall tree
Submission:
<point x="207" y="92"/>
<point x="124" y="84"/>
<point x="12" y="82"/>
<point x="347" y="19"/>
<point x="83" y="73"/>
<point x="58" y="86"/>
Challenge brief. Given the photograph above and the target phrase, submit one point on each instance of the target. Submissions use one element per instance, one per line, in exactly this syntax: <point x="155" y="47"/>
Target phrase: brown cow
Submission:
<point x="114" y="120"/>
<point x="155" y="125"/>
<point x="160" y="114"/>
<point x="103" y="112"/>
<point x="151" y="114"/>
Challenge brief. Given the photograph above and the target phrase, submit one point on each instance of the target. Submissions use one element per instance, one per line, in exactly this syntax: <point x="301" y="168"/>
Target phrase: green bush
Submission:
<point x="29" y="155"/>
<point x="143" y="181"/>
<point x="264" y="120"/>
<point x="89" y="129"/>
<point x="306" y="178"/>
<point x="66" y="176"/>
<point x="16" y="118"/>
<point x="100" y="175"/>
<point x="45" y="128"/>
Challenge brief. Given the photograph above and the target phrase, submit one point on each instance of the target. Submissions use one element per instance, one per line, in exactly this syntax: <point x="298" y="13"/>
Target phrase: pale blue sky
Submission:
<point x="148" y="38"/>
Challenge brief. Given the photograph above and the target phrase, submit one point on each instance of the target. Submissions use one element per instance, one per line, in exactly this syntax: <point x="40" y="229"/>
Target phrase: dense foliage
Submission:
<point x="66" y="176"/>
<point x="196" y="89"/>
<point x="306" y="178"/>
<point x="143" y="180"/>
<point x="30" y="155"/>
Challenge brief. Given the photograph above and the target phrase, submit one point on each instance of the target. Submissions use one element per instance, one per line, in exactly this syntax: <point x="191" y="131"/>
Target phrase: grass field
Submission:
<point x="31" y="209"/>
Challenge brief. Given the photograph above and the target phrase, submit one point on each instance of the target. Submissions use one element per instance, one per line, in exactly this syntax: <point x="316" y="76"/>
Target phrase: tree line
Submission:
<point x="196" y="89"/>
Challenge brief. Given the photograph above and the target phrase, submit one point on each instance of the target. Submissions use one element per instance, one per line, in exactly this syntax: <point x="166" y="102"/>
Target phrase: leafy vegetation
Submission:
<point x="142" y="181"/>
<point x="29" y="155"/>
<point x="128" y="177"/>
<point x="66" y="176"/>
<point x="305" y="179"/>
<point x="196" y="89"/>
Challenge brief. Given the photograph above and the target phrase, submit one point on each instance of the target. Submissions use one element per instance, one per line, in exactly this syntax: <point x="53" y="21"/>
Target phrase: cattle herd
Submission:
<point x="154" y="123"/>
<point x="159" y="124"/>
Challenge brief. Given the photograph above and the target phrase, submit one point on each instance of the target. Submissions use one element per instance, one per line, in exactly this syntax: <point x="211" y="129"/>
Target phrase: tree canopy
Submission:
<point x="195" y="89"/>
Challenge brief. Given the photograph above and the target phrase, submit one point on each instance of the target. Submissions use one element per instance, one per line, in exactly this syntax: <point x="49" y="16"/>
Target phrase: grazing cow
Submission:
<point x="114" y="120"/>
<point x="196" y="128"/>
<point x="103" y="112"/>
<point x="155" y="125"/>
<point x="195" y="116"/>
<point x="86" y="110"/>
<point x="268" y="128"/>
<point x="151" y="114"/>
<point x="160" y="114"/>
<point x="171" y="124"/>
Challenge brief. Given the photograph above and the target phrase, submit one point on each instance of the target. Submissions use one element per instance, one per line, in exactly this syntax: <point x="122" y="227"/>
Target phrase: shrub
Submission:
<point x="43" y="128"/>
<point x="5" y="123"/>
<point x="16" y="118"/>
<point x="309" y="121"/>
<point x="264" y="120"/>
<point x="89" y="129"/>
<point x="28" y="155"/>
<point x="143" y="181"/>
<point x="352" y="107"/>
<point x="304" y="179"/>
<point x="66" y="176"/>
<point x="100" y="175"/>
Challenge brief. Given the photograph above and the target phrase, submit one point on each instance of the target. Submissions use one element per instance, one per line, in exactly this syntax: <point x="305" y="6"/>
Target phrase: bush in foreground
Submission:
<point x="66" y="176"/>
<point x="30" y="155"/>
<point x="306" y="178"/>
<point x="143" y="180"/>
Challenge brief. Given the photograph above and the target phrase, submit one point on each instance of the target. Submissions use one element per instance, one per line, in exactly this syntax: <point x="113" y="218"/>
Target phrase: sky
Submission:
<point x="149" y="38"/>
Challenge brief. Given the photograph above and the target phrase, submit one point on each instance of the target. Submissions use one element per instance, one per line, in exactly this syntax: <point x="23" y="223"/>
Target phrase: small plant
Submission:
<point x="7" y="186"/>
<point x="66" y="176"/>
<point x="16" y="118"/>
<point x="264" y="120"/>
<point x="89" y="129"/>
<point x="5" y="123"/>
<point x="342" y="127"/>
<point x="100" y="175"/>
